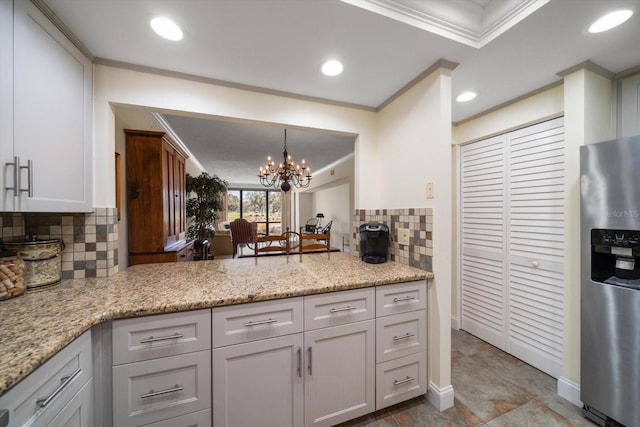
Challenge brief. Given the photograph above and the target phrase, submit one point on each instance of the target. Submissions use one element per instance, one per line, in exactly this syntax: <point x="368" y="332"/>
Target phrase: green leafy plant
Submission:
<point x="205" y="198"/>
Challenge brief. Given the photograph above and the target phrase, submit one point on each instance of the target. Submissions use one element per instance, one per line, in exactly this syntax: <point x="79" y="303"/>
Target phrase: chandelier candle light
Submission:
<point x="286" y="173"/>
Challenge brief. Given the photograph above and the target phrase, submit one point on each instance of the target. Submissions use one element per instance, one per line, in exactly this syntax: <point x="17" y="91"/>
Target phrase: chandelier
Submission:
<point x="286" y="174"/>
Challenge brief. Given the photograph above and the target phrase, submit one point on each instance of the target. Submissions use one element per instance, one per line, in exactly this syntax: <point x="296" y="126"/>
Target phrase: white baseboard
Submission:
<point x="455" y="323"/>
<point x="569" y="390"/>
<point x="442" y="399"/>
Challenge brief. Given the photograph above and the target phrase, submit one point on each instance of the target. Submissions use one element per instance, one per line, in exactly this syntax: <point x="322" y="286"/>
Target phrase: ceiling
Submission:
<point x="504" y="49"/>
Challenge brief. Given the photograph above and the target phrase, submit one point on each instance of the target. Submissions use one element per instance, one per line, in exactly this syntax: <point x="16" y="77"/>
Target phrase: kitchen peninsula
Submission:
<point x="41" y="323"/>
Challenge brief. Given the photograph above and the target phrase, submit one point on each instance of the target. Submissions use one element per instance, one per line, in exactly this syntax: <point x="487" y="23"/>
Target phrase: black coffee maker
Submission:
<point x="374" y="242"/>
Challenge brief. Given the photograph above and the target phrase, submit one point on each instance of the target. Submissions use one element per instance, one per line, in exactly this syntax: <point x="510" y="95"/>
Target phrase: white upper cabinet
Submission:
<point x="45" y="118"/>
<point x="630" y="106"/>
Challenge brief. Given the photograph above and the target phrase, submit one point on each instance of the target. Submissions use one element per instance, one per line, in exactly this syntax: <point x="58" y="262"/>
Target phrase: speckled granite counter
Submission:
<point x="39" y="323"/>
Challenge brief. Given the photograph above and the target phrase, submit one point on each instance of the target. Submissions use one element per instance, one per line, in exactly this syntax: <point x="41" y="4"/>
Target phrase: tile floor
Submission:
<point x="492" y="389"/>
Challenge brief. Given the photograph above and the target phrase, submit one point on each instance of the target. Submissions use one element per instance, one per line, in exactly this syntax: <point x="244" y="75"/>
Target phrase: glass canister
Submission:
<point x="11" y="276"/>
<point x="42" y="259"/>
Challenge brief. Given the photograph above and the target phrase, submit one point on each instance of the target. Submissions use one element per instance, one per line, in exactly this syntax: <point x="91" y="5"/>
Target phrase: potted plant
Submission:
<point x="204" y="194"/>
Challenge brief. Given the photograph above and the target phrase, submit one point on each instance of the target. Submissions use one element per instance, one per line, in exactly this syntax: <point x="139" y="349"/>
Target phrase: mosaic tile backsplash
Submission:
<point x="419" y="222"/>
<point x="91" y="240"/>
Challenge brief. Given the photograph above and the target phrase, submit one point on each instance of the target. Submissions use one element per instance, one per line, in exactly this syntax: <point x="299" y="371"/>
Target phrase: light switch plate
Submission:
<point x="403" y="236"/>
<point x="429" y="189"/>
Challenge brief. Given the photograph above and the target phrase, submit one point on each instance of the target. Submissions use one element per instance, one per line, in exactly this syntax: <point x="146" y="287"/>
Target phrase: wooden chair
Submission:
<point x="271" y="243"/>
<point x="242" y="233"/>
<point x="313" y="242"/>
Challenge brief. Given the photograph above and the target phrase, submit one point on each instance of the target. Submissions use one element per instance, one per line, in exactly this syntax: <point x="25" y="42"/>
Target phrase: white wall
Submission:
<point x="334" y="203"/>
<point x="119" y="86"/>
<point x="588" y="100"/>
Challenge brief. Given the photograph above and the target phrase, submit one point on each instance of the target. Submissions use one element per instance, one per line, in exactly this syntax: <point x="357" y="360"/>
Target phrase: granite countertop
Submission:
<point x="38" y="324"/>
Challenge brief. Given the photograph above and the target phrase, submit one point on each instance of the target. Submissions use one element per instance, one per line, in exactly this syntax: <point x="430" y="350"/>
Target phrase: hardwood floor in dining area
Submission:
<point x="492" y="388"/>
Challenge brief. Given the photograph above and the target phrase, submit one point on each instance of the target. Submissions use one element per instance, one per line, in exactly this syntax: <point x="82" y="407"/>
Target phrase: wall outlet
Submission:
<point x="429" y="189"/>
<point x="403" y="236"/>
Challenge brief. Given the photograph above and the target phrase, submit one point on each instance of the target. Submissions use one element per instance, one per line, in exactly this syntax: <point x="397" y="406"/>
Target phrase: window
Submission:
<point x="260" y="206"/>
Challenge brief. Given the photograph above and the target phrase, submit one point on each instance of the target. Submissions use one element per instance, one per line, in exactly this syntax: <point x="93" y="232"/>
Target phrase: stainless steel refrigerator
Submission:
<point x="610" y="281"/>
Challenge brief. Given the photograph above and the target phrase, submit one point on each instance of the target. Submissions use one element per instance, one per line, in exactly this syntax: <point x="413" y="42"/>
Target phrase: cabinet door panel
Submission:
<point x="78" y="412"/>
<point x="58" y="379"/>
<point x="340" y="373"/>
<point x="52" y="115"/>
<point x="259" y="383"/>
<point x="195" y="419"/>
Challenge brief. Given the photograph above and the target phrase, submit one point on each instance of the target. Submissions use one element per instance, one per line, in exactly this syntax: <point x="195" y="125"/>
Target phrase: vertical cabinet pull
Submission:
<point x="299" y="362"/>
<point x="310" y="359"/>
<point x="16" y="175"/>
<point x="29" y="168"/>
<point x="64" y="382"/>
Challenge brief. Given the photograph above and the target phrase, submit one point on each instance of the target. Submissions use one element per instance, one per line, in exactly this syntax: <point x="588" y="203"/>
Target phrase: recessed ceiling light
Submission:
<point x="332" y="67"/>
<point x="166" y="28"/>
<point x="466" y="96"/>
<point x="610" y="20"/>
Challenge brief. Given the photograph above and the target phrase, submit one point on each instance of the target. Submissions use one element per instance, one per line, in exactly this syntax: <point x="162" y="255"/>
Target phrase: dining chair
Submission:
<point x="271" y="243"/>
<point x="242" y="233"/>
<point x="312" y="242"/>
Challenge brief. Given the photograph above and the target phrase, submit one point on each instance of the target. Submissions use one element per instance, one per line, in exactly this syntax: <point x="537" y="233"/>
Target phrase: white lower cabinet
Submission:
<point x="166" y="380"/>
<point x="195" y="419"/>
<point x="78" y="412"/>
<point x="259" y="383"/>
<point x="340" y="373"/>
<point x="401" y="342"/>
<point x="400" y="379"/>
<point x="55" y="393"/>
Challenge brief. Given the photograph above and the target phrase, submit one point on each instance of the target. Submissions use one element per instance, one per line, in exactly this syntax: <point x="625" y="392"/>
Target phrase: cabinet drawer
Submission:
<point x="43" y="394"/>
<point x="400" y="298"/>
<point x="401" y="379"/>
<point x="78" y="412"/>
<point x="196" y="419"/>
<point x="158" y="389"/>
<point x="150" y="337"/>
<point x="249" y="322"/>
<point x="338" y="308"/>
<point x="401" y="335"/>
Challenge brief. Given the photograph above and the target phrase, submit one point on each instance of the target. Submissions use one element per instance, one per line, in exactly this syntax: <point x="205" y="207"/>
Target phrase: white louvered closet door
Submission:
<point x="483" y="239"/>
<point x="536" y="245"/>
<point x="532" y="245"/>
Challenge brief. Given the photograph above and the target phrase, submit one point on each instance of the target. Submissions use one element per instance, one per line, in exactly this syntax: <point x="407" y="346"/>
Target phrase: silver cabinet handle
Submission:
<point x="403" y="337"/>
<point x="16" y="175"/>
<point x="260" y="322"/>
<point x="64" y="382"/>
<point x="299" y="362"/>
<point x="406" y="380"/>
<point x="407" y="298"/>
<point x="29" y="168"/>
<point x="310" y="359"/>
<point x="339" y="309"/>
<point x="175" y="336"/>
<point x="176" y="388"/>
